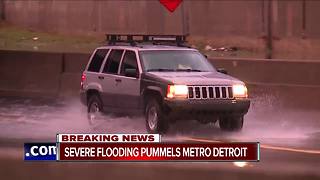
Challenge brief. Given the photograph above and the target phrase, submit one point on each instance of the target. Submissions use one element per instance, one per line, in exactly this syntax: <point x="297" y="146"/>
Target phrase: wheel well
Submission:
<point x="152" y="94"/>
<point x="91" y="92"/>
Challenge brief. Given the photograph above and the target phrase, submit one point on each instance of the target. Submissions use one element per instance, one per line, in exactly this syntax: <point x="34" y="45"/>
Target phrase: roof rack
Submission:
<point x="134" y="39"/>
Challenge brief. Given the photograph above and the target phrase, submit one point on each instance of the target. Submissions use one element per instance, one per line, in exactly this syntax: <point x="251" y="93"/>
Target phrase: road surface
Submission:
<point x="288" y="130"/>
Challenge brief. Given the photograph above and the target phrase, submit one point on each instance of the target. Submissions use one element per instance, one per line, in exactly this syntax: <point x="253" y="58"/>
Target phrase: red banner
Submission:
<point x="158" y="152"/>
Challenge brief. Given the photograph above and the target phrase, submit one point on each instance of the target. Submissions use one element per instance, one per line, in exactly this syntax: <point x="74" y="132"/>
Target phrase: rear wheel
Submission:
<point x="155" y="118"/>
<point x="94" y="109"/>
<point x="231" y="123"/>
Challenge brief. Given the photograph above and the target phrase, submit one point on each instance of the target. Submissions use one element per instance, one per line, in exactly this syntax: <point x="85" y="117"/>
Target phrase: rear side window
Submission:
<point x="113" y="61"/>
<point x="97" y="60"/>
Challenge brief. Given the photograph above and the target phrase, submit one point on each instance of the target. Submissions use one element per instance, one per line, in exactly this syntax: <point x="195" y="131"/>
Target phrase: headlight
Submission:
<point x="177" y="91"/>
<point x="240" y="91"/>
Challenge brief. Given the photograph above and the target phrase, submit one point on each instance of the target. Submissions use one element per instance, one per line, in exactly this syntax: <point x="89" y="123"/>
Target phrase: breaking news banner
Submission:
<point x="137" y="147"/>
<point x="95" y="138"/>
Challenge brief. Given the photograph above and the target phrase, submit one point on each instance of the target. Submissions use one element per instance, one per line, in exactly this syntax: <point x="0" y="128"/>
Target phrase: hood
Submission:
<point x="196" y="78"/>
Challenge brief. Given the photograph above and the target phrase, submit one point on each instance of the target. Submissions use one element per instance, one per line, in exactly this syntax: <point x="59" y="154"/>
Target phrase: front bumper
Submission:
<point x="221" y="106"/>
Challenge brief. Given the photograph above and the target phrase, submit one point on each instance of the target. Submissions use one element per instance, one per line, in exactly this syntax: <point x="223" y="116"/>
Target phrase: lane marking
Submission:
<point x="200" y="140"/>
<point x="307" y="151"/>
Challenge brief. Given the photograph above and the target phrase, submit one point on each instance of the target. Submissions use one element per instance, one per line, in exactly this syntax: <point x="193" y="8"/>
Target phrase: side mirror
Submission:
<point x="222" y="70"/>
<point x="131" y="72"/>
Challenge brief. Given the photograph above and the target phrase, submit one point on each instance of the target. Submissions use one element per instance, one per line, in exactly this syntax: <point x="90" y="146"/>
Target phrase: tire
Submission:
<point x="155" y="118"/>
<point x="207" y="119"/>
<point x="94" y="108"/>
<point x="231" y="123"/>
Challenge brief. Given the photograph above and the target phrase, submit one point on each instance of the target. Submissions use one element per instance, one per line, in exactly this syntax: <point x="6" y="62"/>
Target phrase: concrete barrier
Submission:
<point x="23" y="71"/>
<point x="40" y="73"/>
<point x="75" y="62"/>
<point x="284" y="72"/>
<point x="69" y="84"/>
<point x="59" y="73"/>
<point x="73" y="65"/>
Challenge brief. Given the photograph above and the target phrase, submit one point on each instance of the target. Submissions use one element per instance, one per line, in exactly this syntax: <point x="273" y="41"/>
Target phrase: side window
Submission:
<point x="129" y="65"/>
<point x="113" y="61"/>
<point x="97" y="60"/>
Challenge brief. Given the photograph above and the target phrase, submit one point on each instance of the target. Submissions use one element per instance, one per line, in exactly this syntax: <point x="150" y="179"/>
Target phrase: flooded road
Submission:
<point x="289" y="134"/>
<point x="268" y="121"/>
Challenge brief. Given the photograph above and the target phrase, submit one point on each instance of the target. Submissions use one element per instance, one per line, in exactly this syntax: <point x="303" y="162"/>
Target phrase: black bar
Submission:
<point x="133" y="39"/>
<point x="304" y="25"/>
<point x="269" y="33"/>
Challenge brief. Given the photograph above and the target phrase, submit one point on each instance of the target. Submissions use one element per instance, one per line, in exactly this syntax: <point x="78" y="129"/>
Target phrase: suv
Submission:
<point x="162" y="82"/>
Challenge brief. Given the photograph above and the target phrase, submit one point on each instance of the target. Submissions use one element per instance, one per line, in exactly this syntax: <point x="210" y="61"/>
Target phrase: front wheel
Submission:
<point x="231" y="123"/>
<point x="155" y="119"/>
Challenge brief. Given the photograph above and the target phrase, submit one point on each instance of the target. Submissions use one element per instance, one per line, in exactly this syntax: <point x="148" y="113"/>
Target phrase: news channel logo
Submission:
<point x="40" y="151"/>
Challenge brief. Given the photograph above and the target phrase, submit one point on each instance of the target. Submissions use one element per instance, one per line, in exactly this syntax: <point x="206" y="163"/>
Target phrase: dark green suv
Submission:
<point x="164" y="83"/>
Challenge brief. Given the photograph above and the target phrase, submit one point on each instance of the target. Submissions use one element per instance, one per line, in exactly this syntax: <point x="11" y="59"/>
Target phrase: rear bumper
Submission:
<point x="235" y="106"/>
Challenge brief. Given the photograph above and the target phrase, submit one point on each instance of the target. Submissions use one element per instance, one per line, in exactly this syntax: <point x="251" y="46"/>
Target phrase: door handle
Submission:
<point x="101" y="77"/>
<point x="118" y="80"/>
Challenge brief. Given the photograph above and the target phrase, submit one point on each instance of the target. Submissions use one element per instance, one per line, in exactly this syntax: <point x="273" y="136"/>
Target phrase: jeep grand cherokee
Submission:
<point x="164" y="83"/>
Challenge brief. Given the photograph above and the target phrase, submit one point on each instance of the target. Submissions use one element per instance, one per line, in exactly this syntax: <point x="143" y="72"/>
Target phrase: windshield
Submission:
<point x="175" y="60"/>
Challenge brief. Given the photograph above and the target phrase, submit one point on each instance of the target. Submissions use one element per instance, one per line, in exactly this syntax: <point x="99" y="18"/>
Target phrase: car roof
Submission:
<point x="148" y="47"/>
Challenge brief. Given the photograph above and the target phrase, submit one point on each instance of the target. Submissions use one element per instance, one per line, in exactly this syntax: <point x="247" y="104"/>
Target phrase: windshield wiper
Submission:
<point x="189" y="70"/>
<point x="160" y="69"/>
<point x="181" y="70"/>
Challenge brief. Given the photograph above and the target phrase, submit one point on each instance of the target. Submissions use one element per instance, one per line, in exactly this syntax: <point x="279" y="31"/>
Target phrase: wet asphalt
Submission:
<point x="286" y="124"/>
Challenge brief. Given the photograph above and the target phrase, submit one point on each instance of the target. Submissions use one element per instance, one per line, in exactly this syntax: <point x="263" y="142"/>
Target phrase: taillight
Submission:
<point x="83" y="78"/>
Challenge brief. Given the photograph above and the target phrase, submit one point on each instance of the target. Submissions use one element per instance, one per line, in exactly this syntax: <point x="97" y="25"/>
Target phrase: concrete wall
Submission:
<point x="55" y="74"/>
<point x="88" y="16"/>
<point x="199" y="17"/>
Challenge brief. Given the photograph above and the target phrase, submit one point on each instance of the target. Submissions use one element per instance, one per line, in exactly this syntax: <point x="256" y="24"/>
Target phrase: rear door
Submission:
<point x="94" y="67"/>
<point x="110" y="78"/>
<point x="129" y="82"/>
